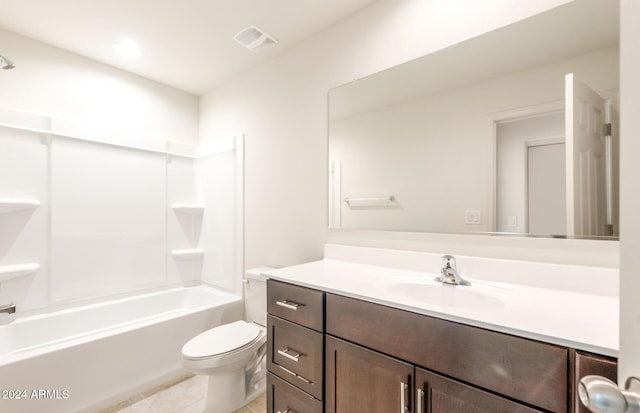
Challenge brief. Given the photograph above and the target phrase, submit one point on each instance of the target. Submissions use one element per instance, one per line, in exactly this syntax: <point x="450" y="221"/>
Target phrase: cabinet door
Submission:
<point x="437" y="394"/>
<point x="591" y="364"/>
<point x="361" y="380"/>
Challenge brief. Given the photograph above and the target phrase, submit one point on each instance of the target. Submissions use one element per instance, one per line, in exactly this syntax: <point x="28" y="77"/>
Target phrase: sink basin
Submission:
<point x="426" y="291"/>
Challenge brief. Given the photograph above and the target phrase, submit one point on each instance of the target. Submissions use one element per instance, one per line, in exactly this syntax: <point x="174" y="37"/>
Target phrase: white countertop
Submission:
<point x="581" y="318"/>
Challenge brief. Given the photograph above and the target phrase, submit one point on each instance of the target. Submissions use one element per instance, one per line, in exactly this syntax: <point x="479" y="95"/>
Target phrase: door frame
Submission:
<point x="629" y="355"/>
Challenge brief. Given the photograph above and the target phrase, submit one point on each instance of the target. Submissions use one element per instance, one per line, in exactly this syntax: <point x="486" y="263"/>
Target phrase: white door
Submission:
<point x="546" y="189"/>
<point x="629" y="356"/>
<point x="585" y="159"/>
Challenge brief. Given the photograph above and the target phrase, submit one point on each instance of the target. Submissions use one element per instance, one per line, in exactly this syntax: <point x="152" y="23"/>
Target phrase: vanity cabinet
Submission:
<point x="336" y="354"/>
<point x="295" y="348"/>
<point x="378" y="383"/>
<point x="531" y="372"/>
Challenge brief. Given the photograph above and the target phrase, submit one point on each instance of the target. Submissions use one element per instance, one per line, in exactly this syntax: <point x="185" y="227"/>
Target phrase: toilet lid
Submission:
<point x="221" y="339"/>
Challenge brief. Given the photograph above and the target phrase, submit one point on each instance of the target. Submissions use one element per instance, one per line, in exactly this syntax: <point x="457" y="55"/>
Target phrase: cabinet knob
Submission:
<point x="601" y="395"/>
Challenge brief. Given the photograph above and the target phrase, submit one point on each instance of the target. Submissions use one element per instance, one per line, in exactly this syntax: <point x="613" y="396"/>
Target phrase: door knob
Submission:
<point x="601" y="395"/>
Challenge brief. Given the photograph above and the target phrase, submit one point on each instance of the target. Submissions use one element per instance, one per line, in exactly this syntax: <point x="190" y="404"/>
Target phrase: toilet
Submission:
<point x="232" y="355"/>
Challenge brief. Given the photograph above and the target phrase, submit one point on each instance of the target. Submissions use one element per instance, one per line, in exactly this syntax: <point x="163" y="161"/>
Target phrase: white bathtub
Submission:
<point x="87" y="358"/>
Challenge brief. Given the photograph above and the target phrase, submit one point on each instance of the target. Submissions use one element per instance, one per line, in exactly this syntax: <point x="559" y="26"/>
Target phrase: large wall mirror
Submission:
<point x="503" y="133"/>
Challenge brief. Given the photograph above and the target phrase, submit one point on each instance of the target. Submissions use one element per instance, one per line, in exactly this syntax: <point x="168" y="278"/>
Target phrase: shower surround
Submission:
<point x="87" y="218"/>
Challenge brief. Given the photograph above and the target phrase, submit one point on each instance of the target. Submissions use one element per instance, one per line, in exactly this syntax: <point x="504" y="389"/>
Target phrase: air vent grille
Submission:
<point x="254" y="39"/>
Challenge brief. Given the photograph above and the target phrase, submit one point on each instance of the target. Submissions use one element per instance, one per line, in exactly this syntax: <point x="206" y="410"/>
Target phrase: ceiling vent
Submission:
<point x="254" y="39"/>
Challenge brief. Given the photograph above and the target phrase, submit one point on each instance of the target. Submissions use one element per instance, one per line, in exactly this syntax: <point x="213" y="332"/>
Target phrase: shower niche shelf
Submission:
<point x="8" y="272"/>
<point x="190" y="209"/>
<point x="188" y="254"/>
<point x="17" y="204"/>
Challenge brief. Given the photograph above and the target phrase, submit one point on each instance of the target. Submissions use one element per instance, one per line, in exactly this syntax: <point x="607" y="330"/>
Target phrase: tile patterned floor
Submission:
<point x="183" y="396"/>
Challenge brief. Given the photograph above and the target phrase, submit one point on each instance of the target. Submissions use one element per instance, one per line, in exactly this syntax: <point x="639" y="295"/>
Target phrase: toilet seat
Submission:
<point x="223" y="347"/>
<point x="221" y="340"/>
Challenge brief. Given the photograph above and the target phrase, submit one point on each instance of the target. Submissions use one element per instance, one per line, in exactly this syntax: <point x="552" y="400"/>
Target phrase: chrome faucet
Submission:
<point x="450" y="273"/>
<point x="8" y="309"/>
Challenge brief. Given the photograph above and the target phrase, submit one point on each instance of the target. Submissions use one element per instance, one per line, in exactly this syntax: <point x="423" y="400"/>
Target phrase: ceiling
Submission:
<point x="186" y="44"/>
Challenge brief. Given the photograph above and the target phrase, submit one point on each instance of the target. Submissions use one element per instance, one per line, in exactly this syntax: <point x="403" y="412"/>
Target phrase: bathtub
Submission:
<point x="90" y="357"/>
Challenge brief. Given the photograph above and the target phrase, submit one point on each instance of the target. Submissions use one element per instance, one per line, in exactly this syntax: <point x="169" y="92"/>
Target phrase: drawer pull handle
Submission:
<point x="290" y="354"/>
<point x="304" y="380"/>
<point x="288" y="371"/>
<point x="287" y="411"/>
<point x="295" y="375"/>
<point x="291" y="305"/>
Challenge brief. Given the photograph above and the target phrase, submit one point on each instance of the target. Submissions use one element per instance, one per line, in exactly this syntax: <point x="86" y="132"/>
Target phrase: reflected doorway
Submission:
<point x="517" y="140"/>
<point x="546" y="188"/>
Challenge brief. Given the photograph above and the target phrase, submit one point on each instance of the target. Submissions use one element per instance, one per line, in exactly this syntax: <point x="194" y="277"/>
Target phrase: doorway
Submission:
<point x="546" y="193"/>
<point x="540" y="136"/>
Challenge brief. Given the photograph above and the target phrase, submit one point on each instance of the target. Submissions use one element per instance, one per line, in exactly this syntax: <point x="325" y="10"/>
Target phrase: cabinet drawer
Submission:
<point x="298" y="304"/>
<point x="295" y="353"/>
<point x="527" y="370"/>
<point x="283" y="397"/>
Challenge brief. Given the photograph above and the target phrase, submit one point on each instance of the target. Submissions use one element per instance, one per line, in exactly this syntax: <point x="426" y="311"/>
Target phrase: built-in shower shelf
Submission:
<point x="8" y="272"/>
<point x="190" y="254"/>
<point x="191" y="209"/>
<point x="17" y="204"/>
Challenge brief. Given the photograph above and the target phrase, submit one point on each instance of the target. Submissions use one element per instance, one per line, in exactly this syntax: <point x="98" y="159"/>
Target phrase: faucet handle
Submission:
<point x="448" y="261"/>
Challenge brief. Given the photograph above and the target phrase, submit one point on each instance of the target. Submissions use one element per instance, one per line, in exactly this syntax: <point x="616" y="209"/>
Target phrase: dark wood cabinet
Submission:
<point x="295" y="348"/>
<point x="361" y="380"/>
<point x="526" y="370"/>
<point x="336" y="354"/>
<point x="438" y="394"/>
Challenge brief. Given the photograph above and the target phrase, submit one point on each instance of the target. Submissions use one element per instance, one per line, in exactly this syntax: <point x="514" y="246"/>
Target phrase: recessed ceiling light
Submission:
<point x="127" y="48"/>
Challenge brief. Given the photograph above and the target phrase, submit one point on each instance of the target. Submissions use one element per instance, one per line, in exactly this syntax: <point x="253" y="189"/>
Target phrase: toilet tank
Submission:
<point x="255" y="295"/>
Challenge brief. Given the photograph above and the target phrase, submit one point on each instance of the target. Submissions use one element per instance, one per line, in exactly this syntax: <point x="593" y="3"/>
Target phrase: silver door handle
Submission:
<point x="601" y="395"/>
<point x="290" y="354"/>
<point x="419" y="400"/>
<point x="287" y="411"/>
<point x="291" y="305"/>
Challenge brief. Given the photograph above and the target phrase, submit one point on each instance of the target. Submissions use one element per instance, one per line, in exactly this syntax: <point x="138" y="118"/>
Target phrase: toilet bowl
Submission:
<point x="232" y="355"/>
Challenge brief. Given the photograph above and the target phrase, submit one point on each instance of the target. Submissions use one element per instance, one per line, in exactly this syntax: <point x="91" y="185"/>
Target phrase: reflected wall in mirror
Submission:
<point x="485" y="136"/>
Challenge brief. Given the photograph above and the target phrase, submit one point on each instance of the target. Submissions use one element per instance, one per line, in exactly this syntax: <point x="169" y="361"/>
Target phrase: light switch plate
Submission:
<point x="472" y="217"/>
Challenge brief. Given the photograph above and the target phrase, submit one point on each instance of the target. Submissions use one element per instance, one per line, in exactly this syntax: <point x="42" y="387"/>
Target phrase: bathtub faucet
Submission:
<point x="8" y="309"/>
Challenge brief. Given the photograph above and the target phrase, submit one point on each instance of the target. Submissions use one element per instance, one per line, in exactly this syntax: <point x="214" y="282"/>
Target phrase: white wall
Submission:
<point x="281" y="107"/>
<point x="52" y="82"/>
